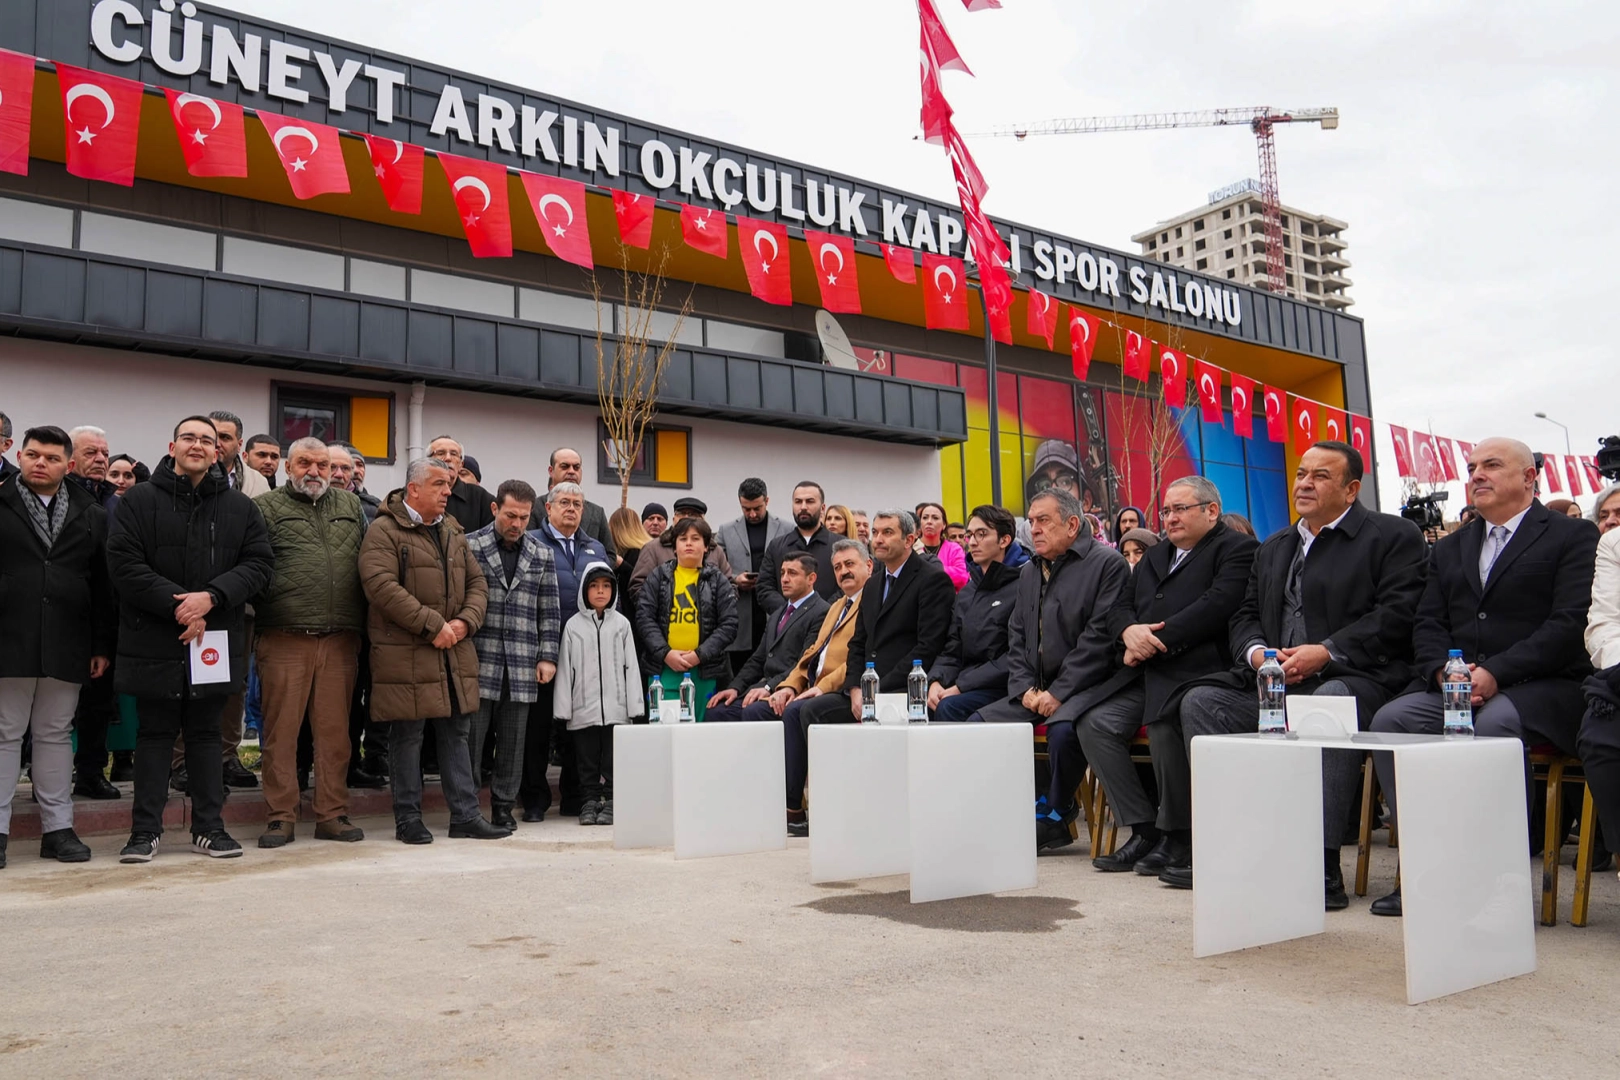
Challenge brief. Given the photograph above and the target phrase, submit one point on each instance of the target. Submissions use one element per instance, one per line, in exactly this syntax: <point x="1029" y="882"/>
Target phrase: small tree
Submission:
<point x="630" y="365"/>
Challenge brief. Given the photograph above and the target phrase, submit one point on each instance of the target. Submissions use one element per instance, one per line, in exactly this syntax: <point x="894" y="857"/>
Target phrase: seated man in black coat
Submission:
<point x="972" y="670"/>
<point x="1335" y="595"/>
<point x="1172" y="622"/>
<point x="779" y="649"/>
<point x="1510" y="589"/>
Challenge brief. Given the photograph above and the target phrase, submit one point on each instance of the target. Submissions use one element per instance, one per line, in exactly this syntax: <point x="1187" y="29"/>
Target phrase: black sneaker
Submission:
<point x="587" y="813"/>
<point x="63" y="845"/>
<point x="216" y="845"/>
<point x="604" y="812"/>
<point x="141" y="847"/>
<point x="5" y="838"/>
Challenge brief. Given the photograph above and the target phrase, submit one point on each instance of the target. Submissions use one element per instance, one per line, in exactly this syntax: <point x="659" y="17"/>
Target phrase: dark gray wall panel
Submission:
<point x="334" y="326"/>
<point x="284" y="319"/>
<point x="430" y="341"/>
<point x="475" y="347"/>
<point x="174" y="304"/>
<point x="519" y="351"/>
<point x="53" y="287"/>
<point x="230" y="312"/>
<point x="383" y="331"/>
<point x="115" y="296"/>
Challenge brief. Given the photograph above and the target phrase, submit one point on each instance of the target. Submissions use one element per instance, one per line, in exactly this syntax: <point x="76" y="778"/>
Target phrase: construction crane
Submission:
<point x="1261" y="120"/>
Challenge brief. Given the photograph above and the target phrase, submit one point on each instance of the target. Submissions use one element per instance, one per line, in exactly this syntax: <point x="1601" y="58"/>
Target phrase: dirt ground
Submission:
<point x="551" y="953"/>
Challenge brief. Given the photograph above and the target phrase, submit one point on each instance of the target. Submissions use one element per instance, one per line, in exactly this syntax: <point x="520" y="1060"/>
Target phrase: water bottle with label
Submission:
<point x="1273" y="696"/>
<point x="917" y="694"/>
<point x="688" y="699"/>
<point x="869" y="694"/>
<point x="1457" y="694"/>
<point x="655" y="700"/>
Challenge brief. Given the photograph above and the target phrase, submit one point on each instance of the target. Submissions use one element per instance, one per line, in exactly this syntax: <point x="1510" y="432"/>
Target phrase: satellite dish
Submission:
<point x="835" y="346"/>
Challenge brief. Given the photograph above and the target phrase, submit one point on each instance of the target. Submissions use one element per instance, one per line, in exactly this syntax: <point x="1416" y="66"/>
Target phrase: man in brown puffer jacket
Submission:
<point x="427" y="597"/>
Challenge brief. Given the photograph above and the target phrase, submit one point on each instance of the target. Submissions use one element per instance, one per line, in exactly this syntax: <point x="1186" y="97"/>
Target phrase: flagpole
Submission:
<point x="995" y="417"/>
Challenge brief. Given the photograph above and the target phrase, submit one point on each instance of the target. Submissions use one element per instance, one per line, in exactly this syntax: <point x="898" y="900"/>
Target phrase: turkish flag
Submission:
<point x="1276" y="404"/>
<point x="1243" y="405"/>
<point x="559" y="207"/>
<point x="944" y="294"/>
<point x="1208" y="378"/>
<point x="901" y="263"/>
<point x="1041" y="318"/>
<point x="1467" y="451"/>
<point x="399" y="167"/>
<point x="16" y="110"/>
<point x="1138" y="356"/>
<point x="1549" y="469"/>
<point x="981" y="5"/>
<point x="213" y="137"/>
<point x="1303" y="421"/>
<point x="834" y="257"/>
<point x="1594" y="479"/>
<point x="1361" y="438"/>
<point x="1448" y="458"/>
<point x="310" y="153"/>
<point x="936" y="111"/>
<point x="1000" y="323"/>
<point x="941" y="50"/>
<point x="1173" y="373"/>
<point x="102" y="117"/>
<point x="1426" y="459"/>
<point x="479" y="188"/>
<point x="1572" y="470"/>
<point x="764" y="248"/>
<point x="635" y="215"/>
<point x="1403" y="452"/>
<point x="705" y="230"/>
<point x="1333" y="428"/>
<point x="1082" y="341"/>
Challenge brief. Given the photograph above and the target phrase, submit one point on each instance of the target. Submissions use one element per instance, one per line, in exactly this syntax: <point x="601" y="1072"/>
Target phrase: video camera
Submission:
<point x="1608" y="458"/>
<point x="1424" y="510"/>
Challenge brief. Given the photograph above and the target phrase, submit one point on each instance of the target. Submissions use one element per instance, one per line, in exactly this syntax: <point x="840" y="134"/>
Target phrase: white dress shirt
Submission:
<point x="1488" y="555"/>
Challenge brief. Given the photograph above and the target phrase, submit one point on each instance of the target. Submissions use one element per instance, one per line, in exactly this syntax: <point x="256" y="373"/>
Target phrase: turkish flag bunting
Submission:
<point x="1403" y="452"/>
<point x="102" y="114"/>
<point x="937" y="41"/>
<point x="1173" y="373"/>
<point x="1426" y="459"/>
<point x="705" y="230"/>
<point x="1303" y="421"/>
<point x="635" y="216"/>
<point x="834" y="257"/>
<point x="969" y="180"/>
<point x="1333" y="429"/>
<point x="1467" y="451"/>
<point x="479" y="188"/>
<point x="1276" y="405"/>
<point x="981" y="5"/>
<point x="1208" y="378"/>
<point x="213" y="137"/>
<point x="936" y="111"/>
<point x="764" y="248"/>
<point x="1042" y="317"/>
<point x="399" y="166"/>
<point x="1448" y="458"/>
<point x="1549" y="469"/>
<point x="1082" y="341"/>
<point x="1594" y="479"/>
<point x="1361" y="438"/>
<point x="1001" y="324"/>
<point x="901" y="263"/>
<point x="310" y="153"/>
<point x="1243" y="405"/>
<point x="1572" y="469"/>
<point x="944" y="295"/>
<point x="559" y="207"/>
<point x="16" y="110"/>
<point x="1138" y="356"/>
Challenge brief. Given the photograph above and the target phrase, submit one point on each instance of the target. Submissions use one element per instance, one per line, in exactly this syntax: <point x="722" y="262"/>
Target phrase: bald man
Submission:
<point x="1511" y="590"/>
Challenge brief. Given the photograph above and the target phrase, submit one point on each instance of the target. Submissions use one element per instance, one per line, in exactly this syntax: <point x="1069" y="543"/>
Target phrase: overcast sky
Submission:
<point x="1473" y="161"/>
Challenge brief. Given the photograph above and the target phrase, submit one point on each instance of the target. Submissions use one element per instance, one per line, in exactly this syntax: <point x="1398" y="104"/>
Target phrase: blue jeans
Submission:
<point x="252" y="707"/>
<point x="959" y="708"/>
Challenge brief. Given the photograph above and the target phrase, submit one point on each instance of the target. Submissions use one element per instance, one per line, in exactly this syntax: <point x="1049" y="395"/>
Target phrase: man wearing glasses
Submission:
<point x="1172" y="622"/>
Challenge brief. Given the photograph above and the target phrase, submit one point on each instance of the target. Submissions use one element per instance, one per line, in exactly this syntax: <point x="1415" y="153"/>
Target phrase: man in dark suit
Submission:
<point x="469" y="504"/>
<point x="1335" y="595"/>
<point x="566" y="467"/>
<point x="1059" y="645"/>
<point x="809" y="535"/>
<point x="1510" y="589"/>
<point x="778" y="651"/>
<point x="1173" y="624"/>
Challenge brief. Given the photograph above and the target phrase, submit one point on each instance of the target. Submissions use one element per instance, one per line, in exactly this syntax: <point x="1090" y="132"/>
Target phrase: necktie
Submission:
<point x="1493" y="550"/>
<point x="568" y="545"/>
<point x="787" y="614"/>
<point x="888" y="579"/>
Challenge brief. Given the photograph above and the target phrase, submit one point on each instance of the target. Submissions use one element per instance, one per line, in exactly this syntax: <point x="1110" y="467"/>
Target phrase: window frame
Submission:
<point x="607" y="475"/>
<point x="283" y="394"/>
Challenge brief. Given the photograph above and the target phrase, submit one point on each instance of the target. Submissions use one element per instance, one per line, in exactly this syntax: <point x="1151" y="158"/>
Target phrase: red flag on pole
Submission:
<point x="944" y="298"/>
<point x="834" y="257"/>
<point x="1138" y="356"/>
<point x="1042" y="316"/>
<point x="310" y="153"/>
<point x="1333" y="427"/>
<point x="900" y="262"/>
<point x="1448" y="458"/>
<point x="764" y="249"/>
<point x="937" y="41"/>
<point x="479" y="188"/>
<point x="1304" y="424"/>
<point x="936" y="111"/>
<point x="635" y="216"/>
<point x="1572" y="470"/>
<point x="1173" y="373"/>
<point x="1403" y="452"/>
<point x="705" y="230"/>
<point x="1276" y="414"/>
<point x="398" y="166"/>
<point x="1082" y="341"/>
<point x="1426" y="459"/>
<point x="1549" y="469"/>
<point x="559" y="207"/>
<point x="102" y="117"/>
<point x="1208" y="378"/>
<point x="213" y="138"/>
<point x="1361" y="438"/>
<point x="1000" y="323"/>
<point x="16" y="110"/>
<point x="1594" y="479"/>
<point x="1243" y="405"/>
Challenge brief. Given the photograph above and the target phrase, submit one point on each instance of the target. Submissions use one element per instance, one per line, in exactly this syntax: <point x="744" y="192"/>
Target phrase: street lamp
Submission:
<point x="1569" y="450"/>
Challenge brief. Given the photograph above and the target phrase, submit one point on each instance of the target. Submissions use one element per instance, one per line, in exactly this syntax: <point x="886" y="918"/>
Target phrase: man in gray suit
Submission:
<point x="744" y="541"/>
<point x="566" y="467"/>
<point x="779" y="649"/>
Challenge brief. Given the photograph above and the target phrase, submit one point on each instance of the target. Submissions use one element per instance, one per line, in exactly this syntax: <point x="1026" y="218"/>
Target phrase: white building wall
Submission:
<point x="137" y="397"/>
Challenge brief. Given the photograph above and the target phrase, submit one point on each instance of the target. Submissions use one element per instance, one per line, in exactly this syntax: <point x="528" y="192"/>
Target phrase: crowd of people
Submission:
<point x="483" y="636"/>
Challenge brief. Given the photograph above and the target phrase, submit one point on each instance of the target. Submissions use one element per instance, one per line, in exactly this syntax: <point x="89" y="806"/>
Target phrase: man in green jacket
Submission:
<point x="309" y="622"/>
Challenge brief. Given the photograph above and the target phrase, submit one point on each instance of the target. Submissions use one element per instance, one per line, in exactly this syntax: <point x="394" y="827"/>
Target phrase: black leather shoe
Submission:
<point x="1138" y="847"/>
<point x="413" y="832"/>
<point x="531" y="814"/>
<point x="1051" y="835"/>
<point x="63" y="845"/>
<point x="477" y="829"/>
<point x="1334" y="896"/>
<point x="95" y="786"/>
<point x="238" y="775"/>
<point x="1169" y="852"/>
<point x="4" y="839"/>
<point x="123" y="766"/>
<point x="1177" y="877"/>
<point x="500" y="816"/>
<point x="1388" y="905"/>
<point x="359" y="778"/>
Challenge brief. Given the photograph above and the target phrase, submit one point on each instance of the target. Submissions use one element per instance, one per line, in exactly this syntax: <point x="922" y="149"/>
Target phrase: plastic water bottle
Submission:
<point x="1273" y="696"/>
<point x="1457" y="692"/>
<point x="688" y="699"/>
<point x="917" y="694"/>
<point x="655" y="700"/>
<point x="869" y="694"/>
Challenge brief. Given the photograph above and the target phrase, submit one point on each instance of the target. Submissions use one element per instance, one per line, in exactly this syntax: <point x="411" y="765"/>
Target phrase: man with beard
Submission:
<point x="810" y="537"/>
<point x="263" y="455"/>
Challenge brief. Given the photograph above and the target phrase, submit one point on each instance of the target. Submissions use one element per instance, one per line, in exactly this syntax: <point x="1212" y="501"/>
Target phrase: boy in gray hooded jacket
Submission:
<point x="597" y="686"/>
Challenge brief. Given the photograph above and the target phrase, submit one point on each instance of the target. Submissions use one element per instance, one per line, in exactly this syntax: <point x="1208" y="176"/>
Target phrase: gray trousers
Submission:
<point x="1423" y="713"/>
<point x="1106" y="731"/>
<point x="46" y="707"/>
<point x="455" y="768"/>
<point x="510" y="719"/>
<point x="1215" y="710"/>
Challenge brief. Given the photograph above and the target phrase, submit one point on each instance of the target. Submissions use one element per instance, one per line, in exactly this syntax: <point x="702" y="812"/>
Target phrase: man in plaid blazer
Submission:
<point x="517" y="645"/>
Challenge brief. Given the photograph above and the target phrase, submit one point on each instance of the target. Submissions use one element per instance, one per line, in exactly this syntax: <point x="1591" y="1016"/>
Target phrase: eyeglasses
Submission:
<point x="1064" y="479"/>
<point x="1180" y="508"/>
<point x="188" y="439"/>
<point x="980" y="534"/>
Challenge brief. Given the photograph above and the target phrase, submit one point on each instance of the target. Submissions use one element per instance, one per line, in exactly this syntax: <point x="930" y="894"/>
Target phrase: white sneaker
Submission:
<point x="216" y="845"/>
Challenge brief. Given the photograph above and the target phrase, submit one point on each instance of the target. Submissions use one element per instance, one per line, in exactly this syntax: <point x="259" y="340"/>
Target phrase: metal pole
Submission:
<point x="1569" y="449"/>
<point x="995" y="413"/>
